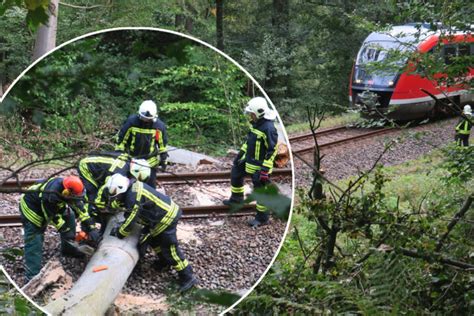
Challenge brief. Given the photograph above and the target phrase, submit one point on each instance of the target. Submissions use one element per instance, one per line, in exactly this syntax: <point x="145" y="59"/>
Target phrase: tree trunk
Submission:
<point x="277" y="82"/>
<point x="46" y="35"/>
<point x="220" y="24"/>
<point x="94" y="292"/>
<point x="316" y="192"/>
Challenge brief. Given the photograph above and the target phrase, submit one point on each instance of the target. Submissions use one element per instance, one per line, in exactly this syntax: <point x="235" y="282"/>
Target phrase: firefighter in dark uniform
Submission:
<point x="50" y="202"/>
<point x="463" y="128"/>
<point x="159" y="215"/>
<point x="95" y="169"/>
<point x="143" y="136"/>
<point x="256" y="156"/>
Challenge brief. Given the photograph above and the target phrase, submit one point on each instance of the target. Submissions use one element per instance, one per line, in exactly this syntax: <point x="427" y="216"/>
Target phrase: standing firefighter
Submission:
<point x="143" y="136"/>
<point x="51" y="202"/>
<point x="159" y="215"/>
<point x="94" y="171"/>
<point x="256" y="156"/>
<point x="463" y="128"/>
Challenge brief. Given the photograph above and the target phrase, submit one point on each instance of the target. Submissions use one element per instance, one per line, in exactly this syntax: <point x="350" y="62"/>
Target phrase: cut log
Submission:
<point x="50" y="274"/>
<point x="103" y="278"/>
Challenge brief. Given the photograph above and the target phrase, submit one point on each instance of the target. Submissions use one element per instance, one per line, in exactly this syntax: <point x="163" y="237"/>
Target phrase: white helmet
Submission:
<point x="117" y="184"/>
<point x="147" y="111"/>
<point x="259" y="107"/>
<point x="467" y="110"/>
<point x="140" y="169"/>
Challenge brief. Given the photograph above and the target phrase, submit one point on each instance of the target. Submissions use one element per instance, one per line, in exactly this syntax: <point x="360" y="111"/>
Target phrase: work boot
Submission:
<point x="260" y="219"/>
<point x="234" y="199"/>
<point x="186" y="279"/>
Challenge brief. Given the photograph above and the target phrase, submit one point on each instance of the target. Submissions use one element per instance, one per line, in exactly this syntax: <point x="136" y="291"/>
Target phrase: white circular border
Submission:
<point x="236" y="64"/>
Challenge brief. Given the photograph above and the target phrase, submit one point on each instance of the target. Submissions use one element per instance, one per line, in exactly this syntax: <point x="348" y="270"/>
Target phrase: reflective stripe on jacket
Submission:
<point x="261" y="146"/>
<point x="144" y="140"/>
<point x="147" y="207"/>
<point x="464" y="127"/>
<point x="96" y="169"/>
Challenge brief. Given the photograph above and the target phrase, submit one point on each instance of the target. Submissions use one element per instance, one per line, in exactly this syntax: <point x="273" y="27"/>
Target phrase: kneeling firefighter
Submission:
<point x="95" y="170"/>
<point x="159" y="216"/>
<point x="256" y="156"/>
<point x="54" y="201"/>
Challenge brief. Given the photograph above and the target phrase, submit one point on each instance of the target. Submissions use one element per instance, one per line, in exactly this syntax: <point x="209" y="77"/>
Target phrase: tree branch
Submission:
<point x="436" y="256"/>
<point x="465" y="207"/>
<point x="81" y="7"/>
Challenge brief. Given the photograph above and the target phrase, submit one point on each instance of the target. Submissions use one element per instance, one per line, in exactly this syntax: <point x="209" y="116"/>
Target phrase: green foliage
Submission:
<point x="13" y="254"/>
<point x="14" y="39"/>
<point x="270" y="197"/>
<point x="37" y="10"/>
<point x="396" y="208"/>
<point x="459" y="162"/>
<point x="12" y="302"/>
<point x="222" y="298"/>
<point x="79" y="95"/>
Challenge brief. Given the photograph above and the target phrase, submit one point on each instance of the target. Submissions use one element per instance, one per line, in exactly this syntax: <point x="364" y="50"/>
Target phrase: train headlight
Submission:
<point x="358" y="81"/>
<point x="390" y="83"/>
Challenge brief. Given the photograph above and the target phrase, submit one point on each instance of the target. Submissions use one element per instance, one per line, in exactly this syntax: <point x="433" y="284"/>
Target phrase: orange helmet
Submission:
<point x="73" y="185"/>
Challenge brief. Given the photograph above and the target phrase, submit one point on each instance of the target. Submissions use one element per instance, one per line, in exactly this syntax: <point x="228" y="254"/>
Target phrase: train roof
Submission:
<point x="405" y="34"/>
<point x="408" y="34"/>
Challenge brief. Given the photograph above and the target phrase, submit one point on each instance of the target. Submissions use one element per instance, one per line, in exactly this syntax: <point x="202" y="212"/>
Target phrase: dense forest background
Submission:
<point x="76" y="98"/>
<point x="300" y="51"/>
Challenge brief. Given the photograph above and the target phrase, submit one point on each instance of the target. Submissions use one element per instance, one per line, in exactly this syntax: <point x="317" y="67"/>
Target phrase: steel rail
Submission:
<point x="189" y="212"/>
<point x="318" y="133"/>
<point x="343" y="140"/>
<point x="174" y="178"/>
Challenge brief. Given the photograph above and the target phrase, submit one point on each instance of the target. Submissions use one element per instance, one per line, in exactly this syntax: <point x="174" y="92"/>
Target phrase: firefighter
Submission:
<point x="50" y="202"/>
<point x="143" y="136"/>
<point x="463" y="128"/>
<point x="159" y="216"/>
<point x="95" y="169"/>
<point x="255" y="157"/>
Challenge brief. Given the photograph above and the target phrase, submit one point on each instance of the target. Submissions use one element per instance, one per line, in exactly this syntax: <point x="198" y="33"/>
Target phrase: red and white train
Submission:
<point x="398" y="93"/>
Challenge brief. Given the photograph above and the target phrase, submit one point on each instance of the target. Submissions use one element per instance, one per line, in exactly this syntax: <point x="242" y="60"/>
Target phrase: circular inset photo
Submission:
<point x="141" y="171"/>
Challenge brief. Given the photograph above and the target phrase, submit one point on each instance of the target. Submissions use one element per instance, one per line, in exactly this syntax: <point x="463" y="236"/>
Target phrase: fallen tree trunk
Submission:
<point x="94" y="292"/>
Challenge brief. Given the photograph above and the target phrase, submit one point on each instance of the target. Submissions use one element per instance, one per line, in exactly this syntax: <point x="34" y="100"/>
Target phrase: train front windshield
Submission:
<point x="379" y="63"/>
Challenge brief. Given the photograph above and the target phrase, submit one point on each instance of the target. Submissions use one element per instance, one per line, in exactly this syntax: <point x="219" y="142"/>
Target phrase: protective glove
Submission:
<point x="163" y="162"/>
<point x="264" y="177"/>
<point x="92" y="210"/>
<point x="94" y="236"/>
<point x="238" y="157"/>
<point x="116" y="232"/>
<point x="88" y="225"/>
<point x="67" y="234"/>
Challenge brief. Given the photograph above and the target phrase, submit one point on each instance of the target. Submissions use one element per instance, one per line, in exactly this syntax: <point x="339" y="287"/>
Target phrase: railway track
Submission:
<point x="168" y="178"/>
<point x="302" y="144"/>
<point x="304" y="136"/>
<point x="189" y="212"/>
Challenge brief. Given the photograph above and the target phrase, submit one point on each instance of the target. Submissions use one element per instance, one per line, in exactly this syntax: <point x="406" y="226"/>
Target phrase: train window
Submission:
<point x="378" y="51"/>
<point x="449" y="52"/>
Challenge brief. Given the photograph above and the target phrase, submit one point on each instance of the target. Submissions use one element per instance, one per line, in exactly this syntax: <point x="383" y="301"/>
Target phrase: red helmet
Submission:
<point x="73" y="185"/>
